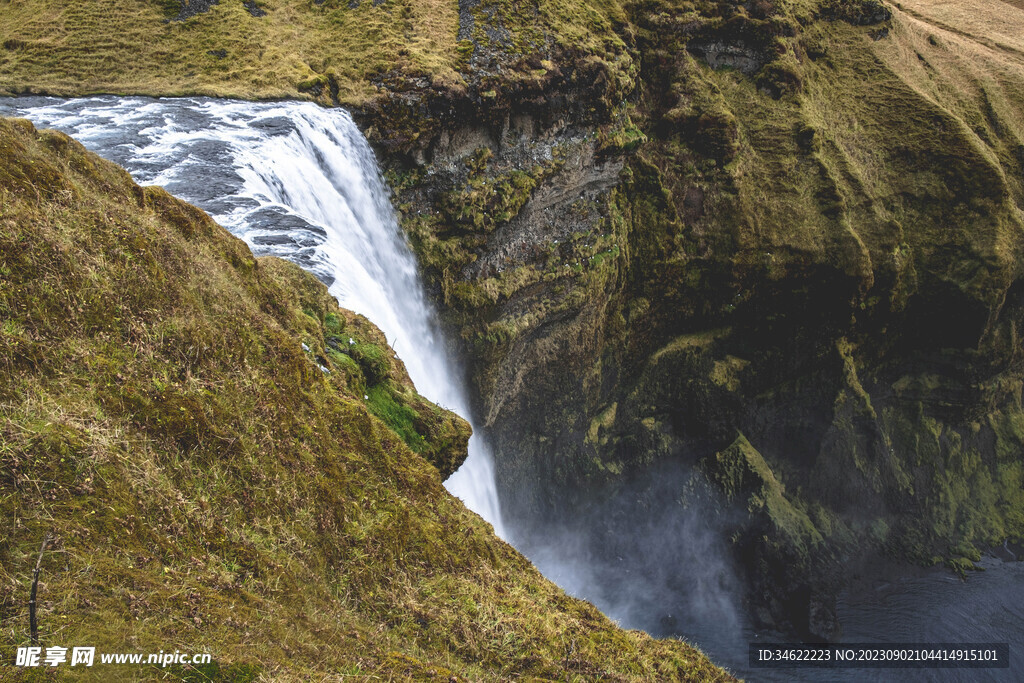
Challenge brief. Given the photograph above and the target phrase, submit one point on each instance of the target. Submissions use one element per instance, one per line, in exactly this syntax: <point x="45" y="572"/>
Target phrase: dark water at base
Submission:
<point x="987" y="607"/>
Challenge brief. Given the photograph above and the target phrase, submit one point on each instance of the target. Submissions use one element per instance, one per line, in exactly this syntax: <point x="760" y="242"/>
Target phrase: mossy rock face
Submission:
<point x="742" y="473"/>
<point x="780" y="544"/>
<point x="816" y="245"/>
<point x="856" y="12"/>
<point x="215" y="468"/>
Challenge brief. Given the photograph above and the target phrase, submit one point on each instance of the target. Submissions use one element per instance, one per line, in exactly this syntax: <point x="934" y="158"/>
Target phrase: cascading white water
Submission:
<point x="298" y="181"/>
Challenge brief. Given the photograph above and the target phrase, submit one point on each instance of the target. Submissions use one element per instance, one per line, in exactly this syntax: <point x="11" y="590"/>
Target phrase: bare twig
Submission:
<point x="33" y="622"/>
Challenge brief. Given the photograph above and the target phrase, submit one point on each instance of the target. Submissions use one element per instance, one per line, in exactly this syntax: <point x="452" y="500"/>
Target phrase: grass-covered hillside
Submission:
<point x="160" y="47"/>
<point x="280" y="48"/>
<point x="210" y="485"/>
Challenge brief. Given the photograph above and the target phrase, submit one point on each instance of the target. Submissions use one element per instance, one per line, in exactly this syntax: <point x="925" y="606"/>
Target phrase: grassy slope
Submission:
<point x="298" y="49"/>
<point x="209" y="488"/>
<point x="76" y="47"/>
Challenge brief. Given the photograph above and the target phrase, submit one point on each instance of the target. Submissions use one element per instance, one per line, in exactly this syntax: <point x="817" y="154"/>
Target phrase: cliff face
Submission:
<point x="209" y="484"/>
<point x="780" y="252"/>
<point x="773" y="246"/>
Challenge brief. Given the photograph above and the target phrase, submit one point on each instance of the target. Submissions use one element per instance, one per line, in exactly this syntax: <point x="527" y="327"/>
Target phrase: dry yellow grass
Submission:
<point x="68" y="47"/>
<point x="299" y="48"/>
<point x="993" y="23"/>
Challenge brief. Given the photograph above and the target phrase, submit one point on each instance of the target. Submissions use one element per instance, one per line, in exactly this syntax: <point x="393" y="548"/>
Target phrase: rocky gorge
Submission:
<point x="773" y="246"/>
<point x="752" y="267"/>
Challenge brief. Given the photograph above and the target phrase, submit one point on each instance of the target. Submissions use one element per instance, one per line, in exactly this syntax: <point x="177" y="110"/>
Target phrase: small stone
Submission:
<point x="254" y="9"/>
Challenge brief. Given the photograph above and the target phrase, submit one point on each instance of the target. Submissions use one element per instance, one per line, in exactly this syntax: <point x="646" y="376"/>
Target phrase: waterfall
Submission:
<point x="297" y="181"/>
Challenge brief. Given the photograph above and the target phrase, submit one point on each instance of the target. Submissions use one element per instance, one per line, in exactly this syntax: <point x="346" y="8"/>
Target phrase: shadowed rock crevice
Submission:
<point x="188" y="8"/>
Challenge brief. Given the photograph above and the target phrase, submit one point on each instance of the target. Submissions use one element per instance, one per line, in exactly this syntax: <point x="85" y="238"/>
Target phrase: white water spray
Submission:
<point x="298" y="181"/>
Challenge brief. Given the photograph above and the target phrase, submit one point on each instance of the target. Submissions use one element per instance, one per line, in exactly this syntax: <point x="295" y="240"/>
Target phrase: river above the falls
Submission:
<point x="300" y="182"/>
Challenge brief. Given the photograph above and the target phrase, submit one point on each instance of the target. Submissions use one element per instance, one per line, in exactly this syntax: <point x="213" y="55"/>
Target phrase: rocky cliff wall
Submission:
<point x="784" y="256"/>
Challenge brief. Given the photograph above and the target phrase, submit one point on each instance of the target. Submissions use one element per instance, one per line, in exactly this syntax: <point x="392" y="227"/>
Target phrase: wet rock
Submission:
<point x="190" y="8"/>
<point x="856" y="12"/>
<point x="739" y="56"/>
<point x="254" y="8"/>
<point x="823" y="621"/>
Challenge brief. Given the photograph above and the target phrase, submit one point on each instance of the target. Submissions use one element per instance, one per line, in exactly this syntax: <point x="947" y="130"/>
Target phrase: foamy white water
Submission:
<point x="298" y="181"/>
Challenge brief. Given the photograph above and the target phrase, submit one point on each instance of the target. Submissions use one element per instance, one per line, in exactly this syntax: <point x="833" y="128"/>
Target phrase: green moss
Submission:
<point x="487" y="201"/>
<point x="624" y="136"/>
<point x="374" y="360"/>
<point x="725" y="373"/>
<point x="961" y="565"/>
<point x="441" y="255"/>
<point x="741" y="472"/>
<point x="399" y="417"/>
<point x="334" y="324"/>
<point x="601" y="425"/>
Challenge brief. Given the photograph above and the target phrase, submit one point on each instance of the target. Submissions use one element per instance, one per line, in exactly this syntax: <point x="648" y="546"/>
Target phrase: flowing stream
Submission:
<point x="297" y="181"/>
